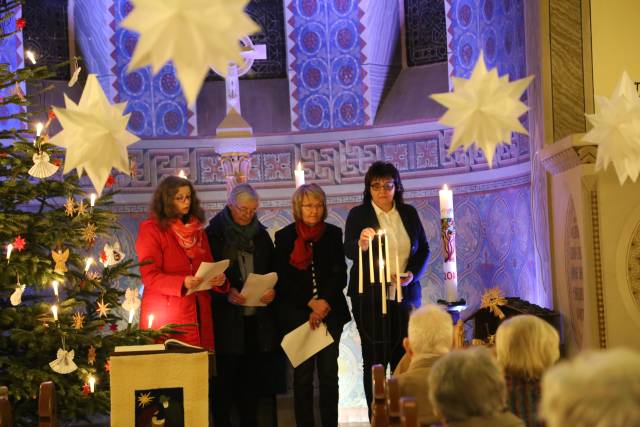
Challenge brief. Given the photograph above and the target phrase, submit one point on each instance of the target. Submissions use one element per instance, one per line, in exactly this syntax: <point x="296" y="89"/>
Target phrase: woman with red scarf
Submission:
<point x="312" y="275"/>
<point x="172" y="244"/>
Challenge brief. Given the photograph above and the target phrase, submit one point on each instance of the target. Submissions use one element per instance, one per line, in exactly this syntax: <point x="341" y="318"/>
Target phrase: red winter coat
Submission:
<point x="164" y="294"/>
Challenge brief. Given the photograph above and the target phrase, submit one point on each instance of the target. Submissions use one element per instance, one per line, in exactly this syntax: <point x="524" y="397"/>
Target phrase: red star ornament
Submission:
<point x="113" y="327"/>
<point x="19" y="243"/>
<point x="86" y="390"/>
<point x="110" y="181"/>
<point x="21" y="23"/>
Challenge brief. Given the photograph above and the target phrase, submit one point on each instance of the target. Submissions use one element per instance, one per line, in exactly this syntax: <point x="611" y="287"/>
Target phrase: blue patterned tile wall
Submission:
<point x="11" y="53"/>
<point x="325" y="57"/>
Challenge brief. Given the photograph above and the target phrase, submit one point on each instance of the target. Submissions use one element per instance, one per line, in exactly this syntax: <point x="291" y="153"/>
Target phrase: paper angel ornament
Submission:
<point x="131" y="299"/>
<point x="616" y="130"/>
<point x="16" y="296"/>
<point x="64" y="363"/>
<point x="193" y="34"/>
<point x="42" y="167"/>
<point x="484" y="109"/>
<point x="60" y="257"/>
<point x="94" y="133"/>
<point x="111" y="255"/>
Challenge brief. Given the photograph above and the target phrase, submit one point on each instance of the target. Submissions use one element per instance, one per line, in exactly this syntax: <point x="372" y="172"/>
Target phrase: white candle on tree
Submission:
<point x="10" y="249"/>
<point x="299" y="175"/>
<point x="150" y="321"/>
<point x="55" y="285"/>
<point x="54" y="310"/>
<point x="92" y="383"/>
<point x="131" y="314"/>
<point x="448" y="233"/>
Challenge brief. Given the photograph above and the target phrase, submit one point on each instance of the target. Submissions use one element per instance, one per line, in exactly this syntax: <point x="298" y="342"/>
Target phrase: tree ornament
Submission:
<point x="16" y="296"/>
<point x="70" y="206"/>
<point x="42" y="168"/>
<point x="145" y="399"/>
<point x="19" y="243"/>
<point x="110" y="181"/>
<point x="103" y="308"/>
<point x="86" y="390"/>
<point x="20" y="24"/>
<point x="60" y="257"/>
<point x="94" y="134"/>
<point x="193" y="34"/>
<point x="78" y="320"/>
<point x="64" y="363"/>
<point x="81" y="209"/>
<point x="131" y="299"/>
<point x="91" y="355"/>
<point x="111" y="255"/>
<point x="484" y="109"/>
<point x="89" y="233"/>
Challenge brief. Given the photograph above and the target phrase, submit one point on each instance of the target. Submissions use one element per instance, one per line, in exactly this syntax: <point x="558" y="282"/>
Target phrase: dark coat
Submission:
<point x="295" y="287"/>
<point x="229" y="318"/>
<point x="363" y="216"/>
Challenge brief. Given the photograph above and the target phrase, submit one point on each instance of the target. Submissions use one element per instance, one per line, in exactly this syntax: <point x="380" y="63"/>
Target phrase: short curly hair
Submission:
<point x="162" y="205"/>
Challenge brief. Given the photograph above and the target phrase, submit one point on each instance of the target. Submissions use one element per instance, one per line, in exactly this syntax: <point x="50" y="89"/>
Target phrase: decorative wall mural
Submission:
<point x="573" y="272"/>
<point x="11" y="53"/>
<point x="633" y="265"/>
<point x="426" y="32"/>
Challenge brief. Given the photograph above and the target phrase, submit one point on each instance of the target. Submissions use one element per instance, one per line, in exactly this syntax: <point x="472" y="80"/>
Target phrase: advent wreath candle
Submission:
<point x="448" y="234"/>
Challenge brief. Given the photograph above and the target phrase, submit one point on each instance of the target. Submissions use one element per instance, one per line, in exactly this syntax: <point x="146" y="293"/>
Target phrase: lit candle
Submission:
<point x="92" y="199"/>
<point x="380" y="260"/>
<point x="9" y="250"/>
<point x="39" y="127"/>
<point x="32" y="57"/>
<point x="55" y="287"/>
<point x="448" y="233"/>
<point x="359" y="269"/>
<point x="299" y="175"/>
<point x="181" y="174"/>
<point x="384" y="287"/>
<point x="372" y="278"/>
<point x="150" y="321"/>
<point x="88" y="263"/>
<point x="398" y="286"/>
<point x="131" y="313"/>
<point x="386" y="256"/>
<point x="92" y="383"/>
<point x="54" y="310"/>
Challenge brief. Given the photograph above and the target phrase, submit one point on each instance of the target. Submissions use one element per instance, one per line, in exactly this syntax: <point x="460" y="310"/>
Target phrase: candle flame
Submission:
<point x="88" y="263"/>
<point x="54" y="310"/>
<point x="181" y="174"/>
<point x="55" y="287"/>
<point x="150" y="320"/>
<point x="131" y="313"/>
<point x="9" y="250"/>
<point x="39" y="127"/>
<point x="445" y="187"/>
<point x="299" y="167"/>
<point x="32" y="57"/>
<point x="92" y="199"/>
<point x="92" y="383"/>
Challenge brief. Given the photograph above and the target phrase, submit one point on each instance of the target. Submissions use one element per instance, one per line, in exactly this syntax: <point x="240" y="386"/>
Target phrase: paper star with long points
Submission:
<point x="484" y="109"/>
<point x="94" y="133"/>
<point x="103" y="308"/>
<point x="91" y="355"/>
<point x="82" y="208"/>
<point x="78" y="320"/>
<point x="144" y="399"/>
<point x="616" y="130"/>
<point x="89" y="233"/>
<point x="194" y="34"/>
<point x="70" y="206"/>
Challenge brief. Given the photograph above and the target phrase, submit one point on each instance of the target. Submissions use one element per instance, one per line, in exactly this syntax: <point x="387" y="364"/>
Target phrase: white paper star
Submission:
<point x="94" y="134"/>
<point x="483" y="109"/>
<point x="194" y="34"/>
<point x="616" y="130"/>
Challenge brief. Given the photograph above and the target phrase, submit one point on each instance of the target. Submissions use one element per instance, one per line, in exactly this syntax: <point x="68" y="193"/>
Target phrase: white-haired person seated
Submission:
<point x="596" y="389"/>
<point x="467" y="389"/>
<point x="430" y="333"/>
<point x="526" y="346"/>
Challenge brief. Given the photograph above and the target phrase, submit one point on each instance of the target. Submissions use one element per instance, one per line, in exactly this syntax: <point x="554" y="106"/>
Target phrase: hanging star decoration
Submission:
<point x="60" y="257"/>
<point x="89" y="233"/>
<point x="78" y="320"/>
<point x="70" y="206"/>
<point x="616" y="130"/>
<point x="94" y="134"/>
<point x="82" y="208"/>
<point x="91" y="355"/>
<point x="19" y="243"/>
<point x="103" y="308"/>
<point x="145" y="399"/>
<point x="484" y="109"/>
<point x="193" y="34"/>
<point x="492" y="299"/>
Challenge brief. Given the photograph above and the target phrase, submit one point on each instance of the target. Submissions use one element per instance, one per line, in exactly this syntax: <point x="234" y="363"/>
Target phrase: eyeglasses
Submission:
<point x="316" y="207"/>
<point x="182" y="198"/>
<point x="388" y="186"/>
<point x="246" y="211"/>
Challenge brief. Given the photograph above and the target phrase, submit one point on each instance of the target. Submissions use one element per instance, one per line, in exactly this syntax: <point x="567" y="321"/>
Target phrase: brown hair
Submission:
<point x="310" y="190"/>
<point x="162" y="205"/>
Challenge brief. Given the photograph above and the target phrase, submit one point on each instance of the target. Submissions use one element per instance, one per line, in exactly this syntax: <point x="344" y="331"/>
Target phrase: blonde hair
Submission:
<point x="527" y="346"/>
<point x="430" y="330"/>
<point x="312" y="191"/>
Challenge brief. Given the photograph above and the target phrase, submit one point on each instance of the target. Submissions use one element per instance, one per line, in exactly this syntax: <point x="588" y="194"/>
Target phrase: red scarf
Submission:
<point x="302" y="254"/>
<point x="189" y="235"/>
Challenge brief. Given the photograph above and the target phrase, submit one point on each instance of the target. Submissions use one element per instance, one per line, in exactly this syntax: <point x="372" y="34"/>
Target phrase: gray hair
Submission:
<point x="241" y="191"/>
<point x="467" y="383"/>
<point x="527" y="346"/>
<point x="596" y="389"/>
<point x="430" y="330"/>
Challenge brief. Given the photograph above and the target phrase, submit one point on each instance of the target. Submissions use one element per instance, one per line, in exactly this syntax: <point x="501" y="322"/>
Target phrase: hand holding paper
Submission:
<point x="303" y="342"/>
<point x="207" y="272"/>
<point x="255" y="287"/>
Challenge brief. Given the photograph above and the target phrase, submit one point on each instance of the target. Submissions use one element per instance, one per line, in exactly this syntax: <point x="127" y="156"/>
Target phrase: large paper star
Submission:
<point x="483" y="109"/>
<point x="94" y="134"/>
<point x="616" y="130"/>
<point x="194" y="34"/>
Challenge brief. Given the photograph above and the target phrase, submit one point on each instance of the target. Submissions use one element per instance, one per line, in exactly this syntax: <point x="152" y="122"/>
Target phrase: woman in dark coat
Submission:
<point x="246" y="337"/>
<point x="311" y="280"/>
<point x="383" y="208"/>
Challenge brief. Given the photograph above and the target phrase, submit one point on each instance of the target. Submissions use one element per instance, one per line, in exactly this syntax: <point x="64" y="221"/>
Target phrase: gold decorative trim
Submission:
<point x="595" y="227"/>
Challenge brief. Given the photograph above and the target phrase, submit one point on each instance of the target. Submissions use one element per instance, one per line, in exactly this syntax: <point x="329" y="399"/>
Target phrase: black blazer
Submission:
<point x="228" y="319"/>
<point x="363" y="216"/>
<point x="295" y="287"/>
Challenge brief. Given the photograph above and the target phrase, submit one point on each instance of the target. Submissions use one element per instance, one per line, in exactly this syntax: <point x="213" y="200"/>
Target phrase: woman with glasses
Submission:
<point x="383" y="208"/>
<point x="245" y="336"/>
<point x="312" y="275"/>
<point x="171" y="245"/>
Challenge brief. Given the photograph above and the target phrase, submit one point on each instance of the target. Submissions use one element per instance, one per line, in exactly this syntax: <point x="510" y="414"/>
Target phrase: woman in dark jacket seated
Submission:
<point x="312" y="275"/>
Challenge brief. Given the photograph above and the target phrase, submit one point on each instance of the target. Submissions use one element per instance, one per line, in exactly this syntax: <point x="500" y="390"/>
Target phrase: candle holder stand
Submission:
<point x="454" y="308"/>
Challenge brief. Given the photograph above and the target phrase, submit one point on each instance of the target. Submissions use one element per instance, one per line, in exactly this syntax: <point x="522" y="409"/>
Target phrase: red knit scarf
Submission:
<point x="189" y="235"/>
<point x="302" y="254"/>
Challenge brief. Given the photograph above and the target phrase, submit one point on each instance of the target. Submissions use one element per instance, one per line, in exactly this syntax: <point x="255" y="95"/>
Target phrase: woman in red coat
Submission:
<point x="174" y="243"/>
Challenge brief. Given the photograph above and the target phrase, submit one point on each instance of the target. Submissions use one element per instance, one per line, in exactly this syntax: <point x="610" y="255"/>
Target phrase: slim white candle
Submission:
<point x="54" y="310"/>
<point x="299" y="175"/>
<point x="131" y="314"/>
<point x="92" y="199"/>
<point x="372" y="277"/>
<point x="150" y="321"/>
<point x="384" y="288"/>
<point x="55" y="287"/>
<point x="380" y="260"/>
<point x="398" y="287"/>
<point x="386" y="256"/>
<point x="92" y="383"/>
<point x="10" y="249"/>
<point x="39" y="127"/>
<point x="88" y="263"/>
<point x="360" y="269"/>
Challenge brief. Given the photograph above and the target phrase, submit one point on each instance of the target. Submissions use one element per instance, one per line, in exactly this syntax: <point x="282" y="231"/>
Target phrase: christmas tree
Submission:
<point x="60" y="312"/>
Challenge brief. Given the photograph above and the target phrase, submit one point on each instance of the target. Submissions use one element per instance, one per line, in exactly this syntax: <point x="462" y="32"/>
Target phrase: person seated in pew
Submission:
<point x="430" y="336"/>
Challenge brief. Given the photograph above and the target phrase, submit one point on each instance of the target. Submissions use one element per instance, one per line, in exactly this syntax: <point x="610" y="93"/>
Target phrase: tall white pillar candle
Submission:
<point x="448" y="233"/>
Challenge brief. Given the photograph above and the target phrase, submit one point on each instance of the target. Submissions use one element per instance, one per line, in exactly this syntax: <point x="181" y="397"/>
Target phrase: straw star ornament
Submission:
<point x="193" y="34"/>
<point x="94" y="133"/>
<point x="484" y="109"/>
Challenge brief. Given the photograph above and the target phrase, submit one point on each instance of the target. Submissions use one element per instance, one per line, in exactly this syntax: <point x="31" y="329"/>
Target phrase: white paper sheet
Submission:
<point x="303" y="342"/>
<point x="207" y="271"/>
<point x="255" y="286"/>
